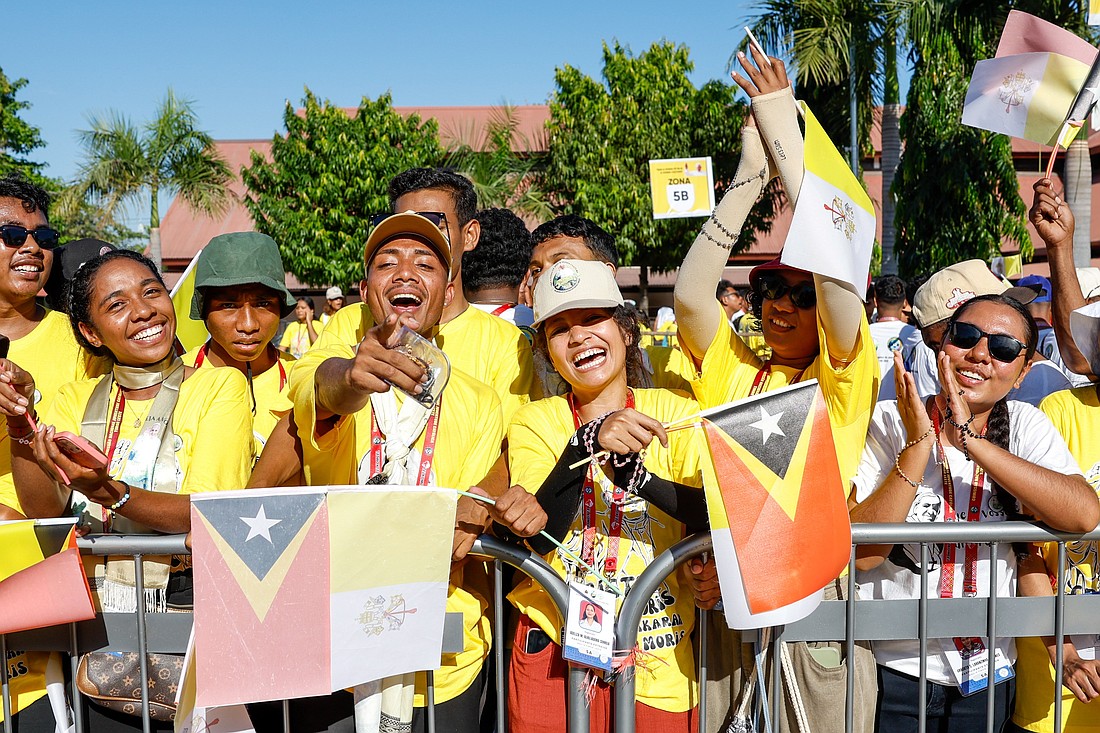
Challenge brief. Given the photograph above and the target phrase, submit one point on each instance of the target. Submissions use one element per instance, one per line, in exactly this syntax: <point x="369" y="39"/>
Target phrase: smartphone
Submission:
<point x="80" y="450"/>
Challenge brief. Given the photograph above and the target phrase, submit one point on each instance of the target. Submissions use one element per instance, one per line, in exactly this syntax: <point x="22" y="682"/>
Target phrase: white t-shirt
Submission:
<point x="1044" y="378"/>
<point x="1032" y="437"/>
<point x="518" y="315"/>
<point x="887" y="338"/>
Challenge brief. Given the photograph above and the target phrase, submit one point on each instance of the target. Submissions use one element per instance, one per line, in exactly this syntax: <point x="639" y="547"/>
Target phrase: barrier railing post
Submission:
<point x="74" y="665"/>
<point x="1059" y="635"/>
<point x="991" y="640"/>
<point x="143" y="643"/>
<point x="922" y="636"/>
<point x="429" y="700"/>
<point x="702" y="620"/>
<point x="498" y="648"/>
<point x="850" y="645"/>
<point x="5" y="689"/>
<point x="776" y="677"/>
<point x="630" y="616"/>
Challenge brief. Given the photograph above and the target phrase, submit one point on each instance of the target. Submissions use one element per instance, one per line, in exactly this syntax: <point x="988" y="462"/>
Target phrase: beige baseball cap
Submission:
<point x="410" y="224"/>
<point x="952" y="286"/>
<point x="571" y="284"/>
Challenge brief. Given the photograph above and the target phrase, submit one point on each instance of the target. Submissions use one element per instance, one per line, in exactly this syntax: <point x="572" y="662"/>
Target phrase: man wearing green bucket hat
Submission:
<point x="241" y="294"/>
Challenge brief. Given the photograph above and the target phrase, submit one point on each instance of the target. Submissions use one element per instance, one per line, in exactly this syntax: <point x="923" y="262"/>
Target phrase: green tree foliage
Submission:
<point x="956" y="188"/>
<point x="327" y="176"/>
<point x="124" y="162"/>
<point x="18" y="138"/>
<point x="602" y="136"/>
<point x="504" y="173"/>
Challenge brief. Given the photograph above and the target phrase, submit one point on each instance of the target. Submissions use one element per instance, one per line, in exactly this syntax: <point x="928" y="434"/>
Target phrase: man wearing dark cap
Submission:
<point x="241" y="294"/>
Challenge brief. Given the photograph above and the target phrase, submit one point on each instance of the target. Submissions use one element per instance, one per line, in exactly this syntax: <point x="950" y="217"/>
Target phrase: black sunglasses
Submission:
<point x="435" y="217"/>
<point x="14" y="235"/>
<point x="1001" y="346"/>
<point x="803" y="295"/>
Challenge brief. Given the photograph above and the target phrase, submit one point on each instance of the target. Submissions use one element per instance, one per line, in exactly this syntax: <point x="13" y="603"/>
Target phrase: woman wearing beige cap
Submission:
<point x="616" y="513"/>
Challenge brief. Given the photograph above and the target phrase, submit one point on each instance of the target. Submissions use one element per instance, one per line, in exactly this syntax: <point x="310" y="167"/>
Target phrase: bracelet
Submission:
<point x="122" y="501"/>
<point x="913" y="442"/>
<point x="24" y="439"/>
<point x="906" y="479"/>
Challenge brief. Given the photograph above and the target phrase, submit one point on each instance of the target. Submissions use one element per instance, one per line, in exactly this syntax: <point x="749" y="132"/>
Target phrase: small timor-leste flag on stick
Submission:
<point x="42" y="581"/>
<point x="833" y="229"/>
<point x="777" y="504"/>
<point x="1027" y="89"/>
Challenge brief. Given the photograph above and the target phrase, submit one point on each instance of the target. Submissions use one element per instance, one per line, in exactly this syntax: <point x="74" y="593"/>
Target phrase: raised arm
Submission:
<point x="1053" y="219"/>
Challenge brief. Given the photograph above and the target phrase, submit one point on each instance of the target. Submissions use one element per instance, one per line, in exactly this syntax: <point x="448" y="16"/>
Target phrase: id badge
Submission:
<point x="1086" y="645"/>
<point x="590" y="627"/>
<point x="969" y="662"/>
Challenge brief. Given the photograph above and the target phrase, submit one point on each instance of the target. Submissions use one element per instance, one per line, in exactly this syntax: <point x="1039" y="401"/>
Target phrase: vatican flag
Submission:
<point x="189" y="333"/>
<point x="833" y="229"/>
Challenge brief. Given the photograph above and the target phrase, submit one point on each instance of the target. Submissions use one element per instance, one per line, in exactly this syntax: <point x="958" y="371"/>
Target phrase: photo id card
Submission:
<point x="969" y="662"/>
<point x="590" y="627"/>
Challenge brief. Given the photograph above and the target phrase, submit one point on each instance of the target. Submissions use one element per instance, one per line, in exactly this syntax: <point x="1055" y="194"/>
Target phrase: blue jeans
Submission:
<point x="947" y="711"/>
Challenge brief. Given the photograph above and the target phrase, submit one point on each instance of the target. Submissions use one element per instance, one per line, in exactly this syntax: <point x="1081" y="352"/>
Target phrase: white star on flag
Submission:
<point x="768" y="425"/>
<point x="260" y="525"/>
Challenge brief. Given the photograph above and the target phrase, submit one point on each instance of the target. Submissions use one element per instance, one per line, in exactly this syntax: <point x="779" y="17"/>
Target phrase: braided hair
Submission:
<point x="998" y="426"/>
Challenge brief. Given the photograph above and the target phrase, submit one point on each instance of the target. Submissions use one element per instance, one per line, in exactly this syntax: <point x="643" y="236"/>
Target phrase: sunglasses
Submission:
<point x="803" y="295"/>
<point x="1001" y="346"/>
<point x="14" y="235"/>
<point x="435" y="217"/>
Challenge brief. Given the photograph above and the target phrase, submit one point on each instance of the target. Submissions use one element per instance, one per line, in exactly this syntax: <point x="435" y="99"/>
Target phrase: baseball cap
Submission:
<point x="1039" y="284"/>
<point x="1089" y="278"/>
<point x="772" y="265"/>
<point x="952" y="286"/>
<point x="240" y="258"/>
<point x="408" y="223"/>
<point x="571" y="284"/>
<point x="67" y="259"/>
<point x="1084" y="324"/>
<point x="333" y="293"/>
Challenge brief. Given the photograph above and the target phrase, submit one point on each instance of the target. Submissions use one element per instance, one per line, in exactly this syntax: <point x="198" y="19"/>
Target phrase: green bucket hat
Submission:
<point x="240" y="258"/>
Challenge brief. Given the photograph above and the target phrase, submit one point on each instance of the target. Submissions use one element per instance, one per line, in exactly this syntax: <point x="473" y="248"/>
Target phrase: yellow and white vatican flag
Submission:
<point x="833" y="229"/>
<point x="1028" y="89"/>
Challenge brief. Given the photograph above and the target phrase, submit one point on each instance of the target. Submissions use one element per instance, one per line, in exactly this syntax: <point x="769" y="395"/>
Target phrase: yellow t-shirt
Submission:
<point x="730" y="367"/>
<point x="470" y="434"/>
<point x="53" y="357"/>
<point x="272" y="391"/>
<point x="212" y="423"/>
<point x="1076" y="415"/>
<point x="296" y="338"/>
<point x="536" y="438"/>
<point x="672" y="368"/>
<point x="487" y="348"/>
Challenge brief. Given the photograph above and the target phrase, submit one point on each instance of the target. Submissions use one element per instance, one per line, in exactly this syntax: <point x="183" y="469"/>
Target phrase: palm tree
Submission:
<point x="496" y="161"/>
<point x="123" y="163"/>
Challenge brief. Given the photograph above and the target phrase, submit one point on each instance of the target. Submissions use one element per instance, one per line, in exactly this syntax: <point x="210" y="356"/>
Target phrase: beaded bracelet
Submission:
<point x="122" y="500"/>
<point x="897" y="460"/>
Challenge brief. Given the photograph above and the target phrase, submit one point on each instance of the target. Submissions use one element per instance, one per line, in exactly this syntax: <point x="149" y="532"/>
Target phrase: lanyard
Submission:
<point x="200" y="357"/>
<point x="973" y="514"/>
<point x="764" y="374"/>
<point x="431" y="432"/>
<point x="588" y="506"/>
<point x="502" y="308"/>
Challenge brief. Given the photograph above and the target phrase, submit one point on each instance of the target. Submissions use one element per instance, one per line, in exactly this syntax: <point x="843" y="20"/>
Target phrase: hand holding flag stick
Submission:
<point x="756" y="44"/>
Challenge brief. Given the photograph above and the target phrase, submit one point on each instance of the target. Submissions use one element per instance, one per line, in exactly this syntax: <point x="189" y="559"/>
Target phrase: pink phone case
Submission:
<point x="80" y="450"/>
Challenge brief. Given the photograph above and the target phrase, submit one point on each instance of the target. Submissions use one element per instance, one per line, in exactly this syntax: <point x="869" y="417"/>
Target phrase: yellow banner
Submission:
<point x="190" y="333"/>
<point x="681" y="187"/>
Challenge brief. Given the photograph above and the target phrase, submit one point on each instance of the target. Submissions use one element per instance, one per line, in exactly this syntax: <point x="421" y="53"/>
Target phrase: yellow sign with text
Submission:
<point x="681" y="187"/>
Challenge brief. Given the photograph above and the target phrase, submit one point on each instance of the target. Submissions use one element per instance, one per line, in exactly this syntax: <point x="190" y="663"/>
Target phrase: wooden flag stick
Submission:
<point x="1053" y="157"/>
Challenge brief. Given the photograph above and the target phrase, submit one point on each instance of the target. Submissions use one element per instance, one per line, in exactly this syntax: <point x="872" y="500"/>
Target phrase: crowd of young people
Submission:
<point x="548" y="369"/>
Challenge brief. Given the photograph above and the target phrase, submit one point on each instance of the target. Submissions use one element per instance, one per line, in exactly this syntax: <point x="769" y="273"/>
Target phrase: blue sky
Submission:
<point x="240" y="61"/>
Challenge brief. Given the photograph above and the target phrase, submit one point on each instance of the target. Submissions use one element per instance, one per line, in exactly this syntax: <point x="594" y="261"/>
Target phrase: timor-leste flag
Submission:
<point x="778" y="508"/>
<point x="833" y="228"/>
<point x="261" y="563"/>
<point x="42" y="581"/>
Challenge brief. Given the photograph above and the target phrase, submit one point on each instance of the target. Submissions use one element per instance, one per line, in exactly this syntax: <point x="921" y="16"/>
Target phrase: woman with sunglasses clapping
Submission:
<point x="982" y="458"/>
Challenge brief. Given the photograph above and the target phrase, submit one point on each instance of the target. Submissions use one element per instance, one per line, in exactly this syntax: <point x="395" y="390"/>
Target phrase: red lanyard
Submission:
<point x="117" y="408"/>
<point x="973" y="514"/>
<point x="427" y="455"/>
<point x="762" y="376"/>
<point x="588" y="504"/>
<point x="200" y="357"/>
<point x="502" y="308"/>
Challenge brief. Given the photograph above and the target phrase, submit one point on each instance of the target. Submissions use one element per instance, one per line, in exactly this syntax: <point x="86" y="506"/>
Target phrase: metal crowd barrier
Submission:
<point x="845" y="621"/>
